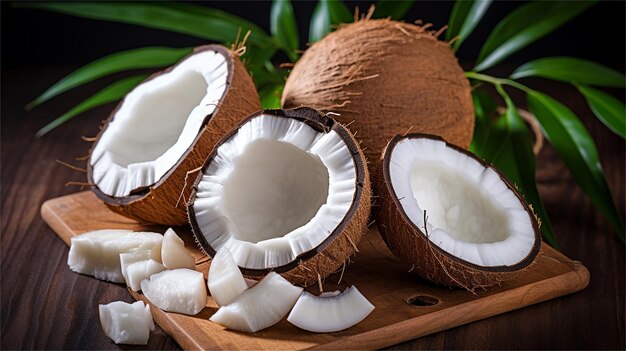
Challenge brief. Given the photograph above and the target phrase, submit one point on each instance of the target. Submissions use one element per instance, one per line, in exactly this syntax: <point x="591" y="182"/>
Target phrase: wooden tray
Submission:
<point x="376" y="273"/>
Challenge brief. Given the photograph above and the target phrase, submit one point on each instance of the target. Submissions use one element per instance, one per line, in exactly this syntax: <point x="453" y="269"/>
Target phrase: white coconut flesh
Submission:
<point x="225" y="281"/>
<point x="259" y="307"/>
<point x="126" y="323"/>
<point x="157" y="122"/>
<point x="329" y="313"/>
<point x="471" y="212"/>
<point x="275" y="190"/>
<point x="179" y="290"/>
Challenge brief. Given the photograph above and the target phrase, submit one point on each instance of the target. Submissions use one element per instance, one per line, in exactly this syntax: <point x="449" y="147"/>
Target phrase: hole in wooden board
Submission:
<point x="422" y="300"/>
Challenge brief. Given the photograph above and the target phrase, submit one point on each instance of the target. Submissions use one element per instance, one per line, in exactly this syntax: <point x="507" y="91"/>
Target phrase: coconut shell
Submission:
<point x="420" y="255"/>
<point x="164" y="201"/>
<point x="385" y="77"/>
<point x="335" y="251"/>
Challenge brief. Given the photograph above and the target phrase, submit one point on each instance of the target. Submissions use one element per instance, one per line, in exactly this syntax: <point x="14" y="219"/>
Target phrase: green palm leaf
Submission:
<point x="464" y="18"/>
<point x="573" y="142"/>
<point x="396" y="9"/>
<point x="325" y="14"/>
<point x="113" y="92"/>
<point x="524" y="26"/>
<point x="608" y="109"/>
<point x="570" y="69"/>
<point x="148" y="57"/>
<point x="283" y="26"/>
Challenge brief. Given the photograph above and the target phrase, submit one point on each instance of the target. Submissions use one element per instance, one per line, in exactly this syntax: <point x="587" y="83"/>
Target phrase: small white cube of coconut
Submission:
<point x="138" y="255"/>
<point x="225" y="279"/>
<point x="126" y="323"/>
<point x="97" y="253"/>
<point x="180" y="290"/>
<point x="138" y="271"/>
<point x="173" y="252"/>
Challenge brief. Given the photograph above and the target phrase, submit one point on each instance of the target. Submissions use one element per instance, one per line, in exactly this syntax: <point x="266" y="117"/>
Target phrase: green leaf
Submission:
<point x="325" y="14"/>
<point x="516" y="159"/>
<point x="113" y="92"/>
<point x="283" y="26"/>
<point x="396" y="9"/>
<point x="270" y="96"/>
<point x="485" y="110"/>
<point x="148" y="57"/>
<point x="574" y="144"/>
<point x="464" y="18"/>
<point x="608" y="109"/>
<point x="570" y="69"/>
<point x="525" y="25"/>
<point x="193" y="20"/>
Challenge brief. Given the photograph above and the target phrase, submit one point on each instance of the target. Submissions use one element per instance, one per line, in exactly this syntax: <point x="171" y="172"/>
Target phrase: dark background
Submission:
<point x="35" y="38"/>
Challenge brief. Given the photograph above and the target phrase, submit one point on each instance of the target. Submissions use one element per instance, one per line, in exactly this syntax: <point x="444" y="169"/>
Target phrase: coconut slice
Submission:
<point x="286" y="191"/>
<point x="97" y="253"/>
<point x="173" y="252"/>
<point x="329" y="313"/>
<point x="163" y="129"/>
<point x="180" y="290"/>
<point x="126" y="323"/>
<point x="138" y="255"/>
<point x="259" y="307"/>
<point x="225" y="280"/>
<point x="454" y="219"/>
<point x="138" y="271"/>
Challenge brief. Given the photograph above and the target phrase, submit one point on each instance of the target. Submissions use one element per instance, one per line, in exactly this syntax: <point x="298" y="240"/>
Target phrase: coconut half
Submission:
<point x="285" y="191"/>
<point x="163" y="129"/>
<point x="452" y="218"/>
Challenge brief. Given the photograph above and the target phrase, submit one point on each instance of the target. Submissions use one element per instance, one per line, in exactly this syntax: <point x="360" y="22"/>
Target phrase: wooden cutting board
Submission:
<point x="406" y="306"/>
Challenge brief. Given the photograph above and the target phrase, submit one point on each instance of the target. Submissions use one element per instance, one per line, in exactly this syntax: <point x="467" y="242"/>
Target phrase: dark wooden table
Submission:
<point x="45" y="305"/>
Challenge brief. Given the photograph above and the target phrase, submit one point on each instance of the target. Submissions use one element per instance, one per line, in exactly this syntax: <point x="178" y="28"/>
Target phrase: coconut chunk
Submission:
<point x="97" y="253"/>
<point x="173" y="252"/>
<point x="330" y="312"/>
<point x="137" y="255"/>
<point x="180" y="290"/>
<point x="138" y="271"/>
<point x="126" y="323"/>
<point x="225" y="280"/>
<point x="259" y="307"/>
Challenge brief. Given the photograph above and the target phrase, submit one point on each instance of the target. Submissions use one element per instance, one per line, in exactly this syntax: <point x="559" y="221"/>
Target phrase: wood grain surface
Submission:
<point x="406" y="307"/>
<point x="45" y="305"/>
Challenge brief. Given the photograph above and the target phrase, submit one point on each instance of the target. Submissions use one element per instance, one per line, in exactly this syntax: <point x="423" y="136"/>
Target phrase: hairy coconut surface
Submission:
<point x="285" y="191"/>
<point x="385" y="77"/>
<point x="163" y="201"/>
<point x="450" y="217"/>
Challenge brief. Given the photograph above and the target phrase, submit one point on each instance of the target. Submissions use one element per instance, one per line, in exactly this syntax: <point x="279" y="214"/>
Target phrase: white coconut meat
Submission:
<point x="97" y="253"/>
<point x="225" y="281"/>
<point x="179" y="290"/>
<point x="173" y="252"/>
<point x="259" y="307"/>
<point x="330" y="312"/>
<point x="276" y="189"/>
<point x="139" y="271"/>
<point x="471" y="212"/>
<point x="126" y="323"/>
<point x="157" y="122"/>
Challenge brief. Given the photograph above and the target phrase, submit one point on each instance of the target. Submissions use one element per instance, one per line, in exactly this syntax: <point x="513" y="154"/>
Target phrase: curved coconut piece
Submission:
<point x="330" y="312"/>
<point x="143" y="161"/>
<point x="285" y="191"/>
<point x="450" y="217"/>
<point x="385" y="77"/>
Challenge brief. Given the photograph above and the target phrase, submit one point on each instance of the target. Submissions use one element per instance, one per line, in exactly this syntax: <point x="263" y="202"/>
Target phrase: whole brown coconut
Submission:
<point x="285" y="191"/>
<point x="163" y="200"/>
<point x="427" y="209"/>
<point x="385" y="77"/>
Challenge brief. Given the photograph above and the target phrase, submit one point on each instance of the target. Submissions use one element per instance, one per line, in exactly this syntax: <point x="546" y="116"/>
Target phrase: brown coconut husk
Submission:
<point x="413" y="247"/>
<point x="334" y="252"/>
<point x="387" y="77"/>
<point x="161" y="202"/>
